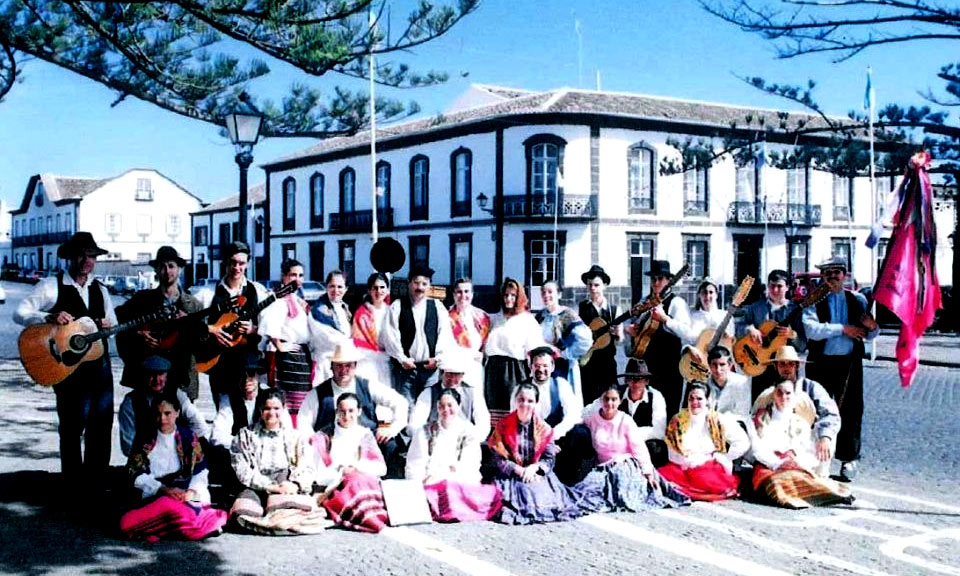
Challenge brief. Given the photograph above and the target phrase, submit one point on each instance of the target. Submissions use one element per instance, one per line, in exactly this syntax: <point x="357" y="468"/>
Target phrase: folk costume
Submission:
<point x="701" y="463"/>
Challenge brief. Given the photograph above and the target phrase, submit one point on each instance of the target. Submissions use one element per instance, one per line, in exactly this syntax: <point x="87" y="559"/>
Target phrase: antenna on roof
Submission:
<point x="599" y="85"/>
<point x="578" y="29"/>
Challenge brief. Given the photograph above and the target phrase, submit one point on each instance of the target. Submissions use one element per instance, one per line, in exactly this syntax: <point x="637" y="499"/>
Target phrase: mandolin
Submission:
<point x="753" y="357"/>
<point x="693" y="360"/>
<point x="51" y="352"/>
<point x="229" y="322"/>
<point x="650" y="327"/>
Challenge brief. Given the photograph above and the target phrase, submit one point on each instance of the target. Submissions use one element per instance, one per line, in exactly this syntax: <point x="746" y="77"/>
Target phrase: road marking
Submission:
<point x="433" y="548"/>
<point x="689" y="549"/>
<point x="909" y="499"/>
<point x="894" y="548"/>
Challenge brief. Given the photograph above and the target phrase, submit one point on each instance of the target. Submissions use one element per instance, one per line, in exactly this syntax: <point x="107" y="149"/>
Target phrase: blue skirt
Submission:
<point x="622" y="486"/>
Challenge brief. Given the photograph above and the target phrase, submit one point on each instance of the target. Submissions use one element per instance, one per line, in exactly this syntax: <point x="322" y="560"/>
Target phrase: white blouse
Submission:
<point x="165" y="461"/>
<point x="513" y="337"/>
<point x="455" y="455"/>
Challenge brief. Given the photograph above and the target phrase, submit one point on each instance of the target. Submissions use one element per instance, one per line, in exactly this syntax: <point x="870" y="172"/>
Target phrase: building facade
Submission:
<point x="216" y="225"/>
<point x="541" y="185"/>
<point x="130" y="215"/>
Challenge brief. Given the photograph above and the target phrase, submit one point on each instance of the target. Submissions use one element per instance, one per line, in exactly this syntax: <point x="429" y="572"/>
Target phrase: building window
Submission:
<point x="348" y="190"/>
<point x="544" y="257"/>
<point x="59" y="223"/>
<point x="173" y="225"/>
<point x="882" y="246"/>
<point x="68" y="223"/>
<point x="316" y="260"/>
<point x="288" y="252"/>
<point x="49" y="227"/>
<point x="144" y="225"/>
<point x="383" y="185"/>
<point x="797" y="186"/>
<point x="798" y="255"/>
<point x="746" y="186"/>
<point x="16" y="228"/>
<point x="641" y="178"/>
<point x="113" y="224"/>
<point x="842" y="198"/>
<point x="419" y="188"/>
<point x="697" y="252"/>
<point x="33" y="225"/>
<point x="144" y="190"/>
<point x="461" y="256"/>
<point x="544" y="163"/>
<point x="200" y="236"/>
<point x="695" y="185"/>
<point x="38" y="198"/>
<point x="224" y="234"/>
<point x="289" y="204"/>
<point x="317" y="183"/>
<point x="348" y="261"/>
<point x="461" y="185"/>
<point x="642" y="249"/>
<point x="419" y="251"/>
<point x="843" y="248"/>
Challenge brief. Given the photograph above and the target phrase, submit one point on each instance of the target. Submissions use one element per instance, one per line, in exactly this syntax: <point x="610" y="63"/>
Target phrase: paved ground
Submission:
<point x="906" y="519"/>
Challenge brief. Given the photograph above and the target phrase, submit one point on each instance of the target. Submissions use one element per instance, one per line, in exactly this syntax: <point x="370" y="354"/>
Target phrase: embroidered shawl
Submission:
<point x="189" y="453"/>
<point x="365" y="333"/>
<point x="680" y="425"/>
<point x="481" y="321"/>
<point x="504" y="440"/>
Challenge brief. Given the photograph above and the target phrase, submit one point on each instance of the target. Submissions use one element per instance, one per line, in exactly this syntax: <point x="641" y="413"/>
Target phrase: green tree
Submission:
<point x="184" y="55"/>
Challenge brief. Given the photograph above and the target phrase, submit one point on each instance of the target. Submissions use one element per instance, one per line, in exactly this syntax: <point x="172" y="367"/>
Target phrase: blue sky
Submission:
<point x="57" y="122"/>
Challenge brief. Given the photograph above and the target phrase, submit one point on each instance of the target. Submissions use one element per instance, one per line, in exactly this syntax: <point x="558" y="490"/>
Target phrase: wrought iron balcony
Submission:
<point x="572" y="207"/>
<point x="695" y="208"/>
<point x="40" y="239"/>
<point x="751" y="213"/>
<point x="361" y="220"/>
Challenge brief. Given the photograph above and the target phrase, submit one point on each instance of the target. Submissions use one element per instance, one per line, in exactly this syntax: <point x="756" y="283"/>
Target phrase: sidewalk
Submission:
<point x="936" y="349"/>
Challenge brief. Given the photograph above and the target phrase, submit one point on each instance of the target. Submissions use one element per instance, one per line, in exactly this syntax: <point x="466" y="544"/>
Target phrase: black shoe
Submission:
<point x="848" y="470"/>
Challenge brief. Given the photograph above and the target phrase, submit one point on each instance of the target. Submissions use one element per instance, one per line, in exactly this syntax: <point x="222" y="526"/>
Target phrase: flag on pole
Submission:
<point x="761" y="157"/>
<point x="869" y="96"/>
<point x="907" y="283"/>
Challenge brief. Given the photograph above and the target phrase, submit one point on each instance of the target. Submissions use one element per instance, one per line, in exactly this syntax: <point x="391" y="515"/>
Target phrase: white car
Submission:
<point x="3" y="295"/>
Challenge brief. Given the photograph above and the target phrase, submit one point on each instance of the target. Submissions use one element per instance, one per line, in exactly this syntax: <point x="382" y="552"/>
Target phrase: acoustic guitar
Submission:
<point x="229" y="322"/>
<point x="693" y="360"/>
<point x="752" y="357"/>
<point x="51" y="352"/>
<point x="650" y="327"/>
<point x="601" y="329"/>
<point x="168" y="333"/>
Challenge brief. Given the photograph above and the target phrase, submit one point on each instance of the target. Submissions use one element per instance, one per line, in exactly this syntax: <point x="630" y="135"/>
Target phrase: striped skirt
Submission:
<point x="791" y="486"/>
<point x="294" y="375"/>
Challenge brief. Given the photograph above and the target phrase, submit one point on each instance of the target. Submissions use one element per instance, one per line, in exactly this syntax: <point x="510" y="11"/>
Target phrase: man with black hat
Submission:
<point x="85" y="398"/>
<point x="174" y="341"/>
<point x="416" y="333"/>
<point x="662" y="354"/>
<point x="835" y="330"/>
<point x="137" y="417"/>
<point x="601" y="370"/>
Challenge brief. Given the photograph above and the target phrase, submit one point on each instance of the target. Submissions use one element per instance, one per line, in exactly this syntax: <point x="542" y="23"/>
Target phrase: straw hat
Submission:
<point x="787" y="354"/>
<point x="345" y="353"/>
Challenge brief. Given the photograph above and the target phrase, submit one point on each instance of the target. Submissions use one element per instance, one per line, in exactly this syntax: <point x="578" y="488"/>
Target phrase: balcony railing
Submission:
<point x="571" y="206"/>
<point x="40" y="239"/>
<point x="361" y="220"/>
<point x="841" y="213"/>
<point x="749" y="213"/>
<point x="695" y="208"/>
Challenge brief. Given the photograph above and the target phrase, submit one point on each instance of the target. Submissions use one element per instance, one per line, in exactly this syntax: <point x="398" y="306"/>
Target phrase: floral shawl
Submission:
<point x="433" y="431"/>
<point x="801" y="420"/>
<point x="481" y="321"/>
<point x="188" y="450"/>
<point x="365" y="334"/>
<point x="504" y="440"/>
<point x="680" y="424"/>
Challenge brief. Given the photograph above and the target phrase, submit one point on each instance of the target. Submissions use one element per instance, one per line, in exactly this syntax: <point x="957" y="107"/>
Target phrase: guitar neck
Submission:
<point x="256" y="310"/>
<point x="722" y="328"/>
<point x="107" y="332"/>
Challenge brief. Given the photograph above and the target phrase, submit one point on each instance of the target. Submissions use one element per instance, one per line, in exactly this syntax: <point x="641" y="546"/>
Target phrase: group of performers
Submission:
<point x="509" y="416"/>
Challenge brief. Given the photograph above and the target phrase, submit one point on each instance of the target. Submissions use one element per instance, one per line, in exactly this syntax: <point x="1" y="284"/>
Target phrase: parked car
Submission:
<point x="312" y="291"/>
<point x="123" y="286"/>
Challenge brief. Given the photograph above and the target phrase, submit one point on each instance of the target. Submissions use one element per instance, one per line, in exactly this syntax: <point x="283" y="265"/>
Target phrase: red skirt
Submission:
<point x="171" y="519"/>
<point x="357" y="504"/>
<point x="456" y="502"/>
<point x="709" y="481"/>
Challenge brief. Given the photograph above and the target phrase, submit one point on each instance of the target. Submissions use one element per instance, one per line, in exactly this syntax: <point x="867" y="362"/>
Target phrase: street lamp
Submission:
<point x="482" y="201"/>
<point x="243" y="127"/>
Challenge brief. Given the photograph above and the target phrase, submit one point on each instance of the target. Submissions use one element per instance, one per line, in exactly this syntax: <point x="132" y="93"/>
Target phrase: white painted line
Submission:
<point x="433" y="548"/>
<point x="910" y="499"/>
<point x="838" y="517"/>
<point x="895" y="549"/>
<point x="775" y="545"/>
<point x="688" y="549"/>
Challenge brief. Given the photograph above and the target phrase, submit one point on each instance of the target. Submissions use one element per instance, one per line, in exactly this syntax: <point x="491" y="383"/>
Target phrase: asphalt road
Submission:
<point x="906" y="519"/>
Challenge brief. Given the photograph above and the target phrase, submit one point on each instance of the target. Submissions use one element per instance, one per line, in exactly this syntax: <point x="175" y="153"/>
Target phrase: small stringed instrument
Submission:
<point x="693" y="360"/>
<point x="650" y="327"/>
<point x="752" y="357"/>
<point x="229" y="322"/>
<point x="167" y="333"/>
<point x="51" y="352"/>
<point x="601" y="329"/>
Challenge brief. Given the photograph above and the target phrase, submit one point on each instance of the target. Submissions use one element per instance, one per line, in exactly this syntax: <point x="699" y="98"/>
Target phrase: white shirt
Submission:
<point x="164" y="461"/>
<point x="206" y="296"/>
<point x="422" y="408"/>
<point x="513" y="337"/>
<point x="421" y="464"/>
<point x="33" y="309"/>
<point x="419" y="350"/>
<point x="126" y="419"/>
<point x="734" y="397"/>
<point x="379" y="393"/>
<point x="699" y="445"/>
<point x="221" y="433"/>
<point x="275" y="322"/>
<point x="572" y="409"/>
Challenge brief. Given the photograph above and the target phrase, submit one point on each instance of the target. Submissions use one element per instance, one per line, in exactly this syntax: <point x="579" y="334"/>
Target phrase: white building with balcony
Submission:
<point x="130" y="215"/>
<point x="216" y="225"/>
<point x="541" y="185"/>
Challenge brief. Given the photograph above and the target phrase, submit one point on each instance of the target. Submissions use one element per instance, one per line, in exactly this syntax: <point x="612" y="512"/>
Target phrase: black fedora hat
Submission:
<point x="421" y="270"/>
<point x="595" y="271"/>
<point x="168" y="254"/>
<point x="659" y="268"/>
<point x="387" y="255"/>
<point x="81" y="242"/>
<point x="635" y="369"/>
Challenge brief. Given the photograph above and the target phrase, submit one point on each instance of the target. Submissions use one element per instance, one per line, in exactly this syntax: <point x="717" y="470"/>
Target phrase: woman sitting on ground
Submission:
<point x="625" y="478"/>
<point x="445" y="455"/>
<point x="701" y="446"/>
<point x="524" y="453"/>
<point x="786" y="469"/>
<point x="170" y="474"/>
<point x="349" y="467"/>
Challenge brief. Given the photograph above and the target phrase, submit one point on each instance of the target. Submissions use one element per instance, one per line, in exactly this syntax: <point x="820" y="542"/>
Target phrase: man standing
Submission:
<point x="774" y="307"/>
<point x="85" y="398"/>
<point x="134" y="346"/>
<point x="601" y="370"/>
<point x="835" y="335"/>
<point x="416" y="332"/>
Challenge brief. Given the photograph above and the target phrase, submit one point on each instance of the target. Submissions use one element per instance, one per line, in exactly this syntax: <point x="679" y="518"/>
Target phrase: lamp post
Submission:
<point x="243" y="127"/>
<point x="497" y="234"/>
<point x="790" y="232"/>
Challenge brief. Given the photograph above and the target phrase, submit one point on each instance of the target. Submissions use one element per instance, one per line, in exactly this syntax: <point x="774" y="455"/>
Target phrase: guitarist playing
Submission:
<point x="85" y="398"/>
<point x="774" y="307"/>
<point x="601" y="371"/>
<point x="229" y="371"/>
<point x="136" y="345"/>
<point x="662" y="354"/>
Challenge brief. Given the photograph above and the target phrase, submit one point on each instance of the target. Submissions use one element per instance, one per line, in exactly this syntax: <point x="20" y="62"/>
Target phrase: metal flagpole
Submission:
<point x="556" y="212"/>
<point x="870" y="101"/>
<point x="373" y="130"/>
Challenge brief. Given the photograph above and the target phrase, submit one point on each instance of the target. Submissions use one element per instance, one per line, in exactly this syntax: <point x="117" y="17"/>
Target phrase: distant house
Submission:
<point x="130" y="215"/>
<point x="216" y="225"/>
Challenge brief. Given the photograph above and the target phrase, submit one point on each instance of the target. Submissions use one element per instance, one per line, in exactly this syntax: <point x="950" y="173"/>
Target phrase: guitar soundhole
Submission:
<point x="78" y="342"/>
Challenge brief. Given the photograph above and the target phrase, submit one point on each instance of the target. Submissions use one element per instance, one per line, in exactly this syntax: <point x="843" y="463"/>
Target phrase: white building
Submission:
<point x="216" y="225"/>
<point x="130" y="215"/>
<point x="600" y="155"/>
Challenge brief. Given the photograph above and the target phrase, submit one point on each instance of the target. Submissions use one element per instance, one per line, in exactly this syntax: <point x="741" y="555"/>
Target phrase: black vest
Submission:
<point x="327" y="410"/>
<point x="644" y="414"/>
<point x="69" y="301"/>
<point x="249" y="294"/>
<point x="556" y="407"/>
<point x="588" y="312"/>
<point x="663" y="352"/>
<point x="854" y="314"/>
<point x="408" y="328"/>
<point x="239" y="409"/>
